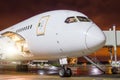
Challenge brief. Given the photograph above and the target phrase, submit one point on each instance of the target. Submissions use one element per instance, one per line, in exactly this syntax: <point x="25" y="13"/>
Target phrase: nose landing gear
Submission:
<point x="65" y="72"/>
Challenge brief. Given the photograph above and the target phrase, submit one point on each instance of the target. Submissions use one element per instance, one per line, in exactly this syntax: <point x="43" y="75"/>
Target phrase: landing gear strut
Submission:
<point x="65" y="72"/>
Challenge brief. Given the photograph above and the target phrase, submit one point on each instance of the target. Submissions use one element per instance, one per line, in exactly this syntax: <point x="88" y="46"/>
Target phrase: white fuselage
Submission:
<point x="49" y="36"/>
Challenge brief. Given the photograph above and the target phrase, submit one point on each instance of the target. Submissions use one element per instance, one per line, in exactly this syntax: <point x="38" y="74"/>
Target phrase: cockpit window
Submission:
<point x="83" y="19"/>
<point x="70" y="20"/>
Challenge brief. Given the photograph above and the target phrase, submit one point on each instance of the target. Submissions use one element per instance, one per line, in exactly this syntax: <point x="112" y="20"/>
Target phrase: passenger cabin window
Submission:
<point x="70" y="20"/>
<point x="83" y="19"/>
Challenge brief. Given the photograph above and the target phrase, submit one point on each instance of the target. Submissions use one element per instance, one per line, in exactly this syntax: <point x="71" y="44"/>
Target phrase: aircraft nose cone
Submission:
<point x="95" y="38"/>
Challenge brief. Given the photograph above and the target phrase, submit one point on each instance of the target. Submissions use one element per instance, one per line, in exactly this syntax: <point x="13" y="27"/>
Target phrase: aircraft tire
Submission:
<point x="62" y="72"/>
<point x="68" y="72"/>
<point x="114" y="70"/>
<point x="65" y="73"/>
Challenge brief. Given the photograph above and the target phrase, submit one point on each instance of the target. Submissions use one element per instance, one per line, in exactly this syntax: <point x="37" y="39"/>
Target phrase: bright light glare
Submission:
<point x="41" y="72"/>
<point x="14" y="62"/>
<point x="95" y="70"/>
<point x="53" y="68"/>
<point x="11" y="50"/>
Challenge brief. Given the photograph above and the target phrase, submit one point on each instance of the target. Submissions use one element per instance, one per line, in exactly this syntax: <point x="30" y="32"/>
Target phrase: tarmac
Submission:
<point x="85" y="73"/>
<point x="28" y="76"/>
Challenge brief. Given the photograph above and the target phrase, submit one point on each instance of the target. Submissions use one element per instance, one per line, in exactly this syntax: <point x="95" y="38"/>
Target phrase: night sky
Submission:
<point x="104" y="13"/>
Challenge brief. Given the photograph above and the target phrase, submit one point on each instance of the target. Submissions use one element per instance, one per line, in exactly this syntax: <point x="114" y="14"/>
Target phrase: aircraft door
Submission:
<point x="42" y="25"/>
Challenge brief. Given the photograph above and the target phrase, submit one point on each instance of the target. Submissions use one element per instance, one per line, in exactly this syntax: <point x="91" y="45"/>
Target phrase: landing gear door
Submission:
<point x="42" y="25"/>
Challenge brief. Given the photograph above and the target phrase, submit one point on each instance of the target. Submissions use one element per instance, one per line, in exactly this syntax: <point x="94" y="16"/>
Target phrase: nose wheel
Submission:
<point x="65" y="72"/>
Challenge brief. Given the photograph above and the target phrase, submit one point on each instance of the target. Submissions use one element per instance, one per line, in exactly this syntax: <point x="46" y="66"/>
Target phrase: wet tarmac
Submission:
<point x="81" y="73"/>
<point x="56" y="77"/>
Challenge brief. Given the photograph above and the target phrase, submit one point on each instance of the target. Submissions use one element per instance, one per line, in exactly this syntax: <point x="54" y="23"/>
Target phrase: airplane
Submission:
<point x="52" y="35"/>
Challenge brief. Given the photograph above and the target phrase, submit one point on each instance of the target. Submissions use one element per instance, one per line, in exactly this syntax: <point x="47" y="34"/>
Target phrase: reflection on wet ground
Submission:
<point x="77" y="70"/>
<point x="56" y="77"/>
<point x="90" y="70"/>
<point x="79" y="73"/>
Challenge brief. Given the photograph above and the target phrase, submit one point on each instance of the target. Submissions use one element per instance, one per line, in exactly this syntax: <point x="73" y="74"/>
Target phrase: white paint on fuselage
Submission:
<point x="60" y="39"/>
